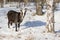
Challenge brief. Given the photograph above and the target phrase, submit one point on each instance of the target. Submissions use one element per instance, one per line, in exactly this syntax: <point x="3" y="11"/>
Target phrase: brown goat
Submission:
<point x="15" y="17"/>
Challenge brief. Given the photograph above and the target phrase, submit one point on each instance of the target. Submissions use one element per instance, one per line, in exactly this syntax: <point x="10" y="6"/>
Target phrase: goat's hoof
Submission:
<point x="16" y="30"/>
<point x="8" y="27"/>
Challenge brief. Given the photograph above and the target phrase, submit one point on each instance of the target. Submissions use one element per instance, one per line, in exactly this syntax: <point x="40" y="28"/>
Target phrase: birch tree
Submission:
<point x="50" y="16"/>
<point x="4" y="2"/>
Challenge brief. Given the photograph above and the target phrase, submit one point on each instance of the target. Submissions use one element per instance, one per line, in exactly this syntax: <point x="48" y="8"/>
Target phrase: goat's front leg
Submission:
<point x="19" y="25"/>
<point x="16" y="26"/>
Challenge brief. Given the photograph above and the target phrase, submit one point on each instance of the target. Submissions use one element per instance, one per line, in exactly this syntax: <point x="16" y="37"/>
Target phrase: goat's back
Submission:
<point x="12" y="15"/>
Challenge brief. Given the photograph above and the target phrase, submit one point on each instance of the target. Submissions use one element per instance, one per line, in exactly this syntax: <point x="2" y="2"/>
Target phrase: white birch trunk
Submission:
<point x="50" y="16"/>
<point x="4" y="2"/>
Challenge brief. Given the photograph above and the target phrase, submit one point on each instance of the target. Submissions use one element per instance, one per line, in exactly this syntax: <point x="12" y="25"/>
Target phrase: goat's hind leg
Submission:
<point x="18" y="26"/>
<point x="8" y="24"/>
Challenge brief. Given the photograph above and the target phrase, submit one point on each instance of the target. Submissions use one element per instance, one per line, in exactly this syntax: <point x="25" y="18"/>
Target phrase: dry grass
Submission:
<point x="33" y="14"/>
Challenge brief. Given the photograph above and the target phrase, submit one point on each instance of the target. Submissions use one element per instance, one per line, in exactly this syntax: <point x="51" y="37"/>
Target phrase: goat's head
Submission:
<point x="23" y="11"/>
<point x="21" y="14"/>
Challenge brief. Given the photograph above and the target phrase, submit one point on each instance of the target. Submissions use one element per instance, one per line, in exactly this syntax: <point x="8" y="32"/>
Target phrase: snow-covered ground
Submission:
<point x="32" y="27"/>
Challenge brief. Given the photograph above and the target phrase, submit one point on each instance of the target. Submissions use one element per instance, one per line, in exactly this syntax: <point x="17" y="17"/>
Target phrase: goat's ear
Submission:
<point x="20" y="10"/>
<point x="26" y="9"/>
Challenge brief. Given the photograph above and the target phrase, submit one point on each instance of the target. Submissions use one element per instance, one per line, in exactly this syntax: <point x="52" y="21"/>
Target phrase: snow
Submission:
<point x="32" y="27"/>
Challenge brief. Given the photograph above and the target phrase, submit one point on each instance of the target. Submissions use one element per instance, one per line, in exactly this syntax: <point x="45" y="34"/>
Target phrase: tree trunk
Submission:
<point x="25" y="2"/>
<point x="39" y="7"/>
<point x="2" y="3"/>
<point x="50" y="16"/>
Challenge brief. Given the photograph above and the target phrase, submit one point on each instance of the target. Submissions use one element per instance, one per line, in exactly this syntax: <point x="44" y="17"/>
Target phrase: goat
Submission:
<point x="15" y="17"/>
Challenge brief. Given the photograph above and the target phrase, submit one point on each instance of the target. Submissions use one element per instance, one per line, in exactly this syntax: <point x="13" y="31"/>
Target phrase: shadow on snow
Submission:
<point x="57" y="31"/>
<point x="34" y="24"/>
